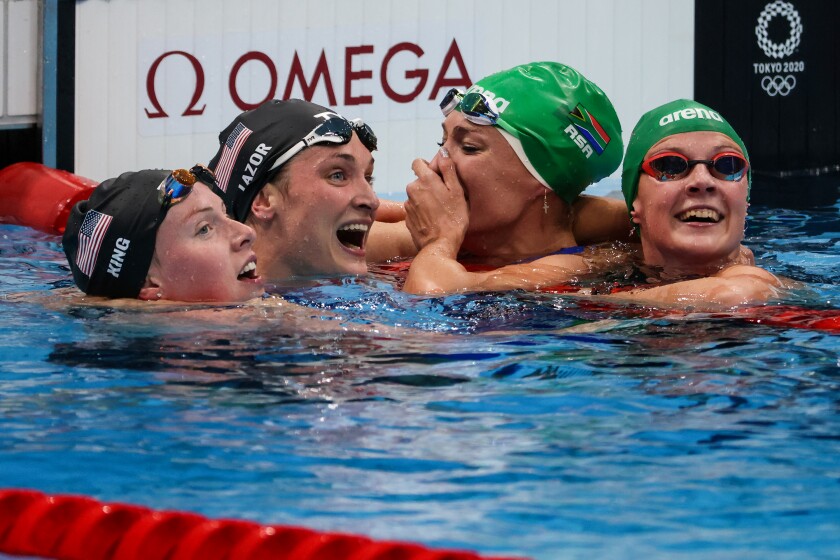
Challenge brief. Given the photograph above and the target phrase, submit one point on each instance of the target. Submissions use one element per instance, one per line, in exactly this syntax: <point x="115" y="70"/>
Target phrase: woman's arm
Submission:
<point x="731" y="287"/>
<point x="597" y="219"/>
<point x="389" y="241"/>
<point x="436" y="271"/>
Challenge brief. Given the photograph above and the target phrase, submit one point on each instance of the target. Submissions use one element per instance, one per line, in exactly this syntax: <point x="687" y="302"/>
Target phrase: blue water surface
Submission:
<point x="517" y="424"/>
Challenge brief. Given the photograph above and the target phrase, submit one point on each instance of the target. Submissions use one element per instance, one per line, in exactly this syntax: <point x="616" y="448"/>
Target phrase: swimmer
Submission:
<point x="154" y="235"/>
<point x="301" y="175"/>
<point x="504" y="191"/>
<point x="153" y="240"/>
<point x="686" y="181"/>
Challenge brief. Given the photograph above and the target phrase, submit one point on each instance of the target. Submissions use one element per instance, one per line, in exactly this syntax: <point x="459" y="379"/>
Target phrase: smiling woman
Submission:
<point x="686" y="180"/>
<point x="300" y="175"/>
<point x="155" y="235"/>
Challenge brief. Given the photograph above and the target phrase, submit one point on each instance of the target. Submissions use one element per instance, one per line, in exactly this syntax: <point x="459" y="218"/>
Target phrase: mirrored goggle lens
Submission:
<point x="450" y="101"/>
<point x="730" y="167"/>
<point x="339" y="131"/>
<point x="365" y="134"/>
<point x="672" y="167"/>
<point x="669" y="168"/>
<point x="175" y="187"/>
<point x="335" y="131"/>
<point x="477" y="106"/>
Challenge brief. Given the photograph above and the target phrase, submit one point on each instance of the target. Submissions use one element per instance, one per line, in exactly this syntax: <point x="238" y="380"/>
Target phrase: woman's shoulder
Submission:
<point x="750" y="272"/>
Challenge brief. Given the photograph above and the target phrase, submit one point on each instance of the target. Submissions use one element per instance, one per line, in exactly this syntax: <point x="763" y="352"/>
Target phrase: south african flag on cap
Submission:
<point x="562" y="125"/>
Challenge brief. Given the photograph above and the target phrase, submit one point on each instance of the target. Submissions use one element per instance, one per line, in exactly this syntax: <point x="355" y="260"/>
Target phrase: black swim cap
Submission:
<point x="110" y="238"/>
<point x="252" y="143"/>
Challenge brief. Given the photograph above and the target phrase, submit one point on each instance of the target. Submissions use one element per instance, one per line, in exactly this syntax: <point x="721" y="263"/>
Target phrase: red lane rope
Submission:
<point x="34" y="195"/>
<point x="795" y="317"/>
<point x="69" y="527"/>
<point x="783" y="316"/>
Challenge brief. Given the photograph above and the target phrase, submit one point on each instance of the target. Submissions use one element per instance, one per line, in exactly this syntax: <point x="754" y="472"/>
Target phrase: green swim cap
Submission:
<point x="676" y="117"/>
<point x="562" y="126"/>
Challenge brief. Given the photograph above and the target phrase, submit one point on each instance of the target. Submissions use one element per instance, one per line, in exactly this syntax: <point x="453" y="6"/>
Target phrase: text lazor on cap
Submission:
<point x="253" y="141"/>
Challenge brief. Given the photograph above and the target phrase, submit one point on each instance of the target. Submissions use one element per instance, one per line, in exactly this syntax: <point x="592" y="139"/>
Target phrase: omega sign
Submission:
<point x="335" y="79"/>
<point x="778" y="77"/>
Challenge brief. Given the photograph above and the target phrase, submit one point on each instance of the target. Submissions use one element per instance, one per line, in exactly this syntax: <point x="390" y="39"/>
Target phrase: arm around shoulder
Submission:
<point x="598" y="219"/>
<point x="435" y="270"/>
<point x="389" y="241"/>
<point x="731" y="287"/>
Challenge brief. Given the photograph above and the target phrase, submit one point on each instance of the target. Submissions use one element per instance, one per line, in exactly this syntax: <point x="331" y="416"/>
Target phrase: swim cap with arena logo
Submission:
<point x="562" y="126"/>
<point x="676" y="117"/>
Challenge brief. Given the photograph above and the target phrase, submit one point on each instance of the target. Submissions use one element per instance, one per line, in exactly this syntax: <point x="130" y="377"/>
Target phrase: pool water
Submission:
<point x="508" y="424"/>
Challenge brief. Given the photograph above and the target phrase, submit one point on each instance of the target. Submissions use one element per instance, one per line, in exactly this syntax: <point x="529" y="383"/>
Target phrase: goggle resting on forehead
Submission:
<point x="179" y="184"/>
<point x="673" y="166"/>
<point x="335" y="130"/>
<point x="476" y="108"/>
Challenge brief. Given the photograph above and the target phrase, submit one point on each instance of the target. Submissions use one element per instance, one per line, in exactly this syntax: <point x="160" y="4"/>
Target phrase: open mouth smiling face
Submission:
<point x="353" y="236"/>
<point x="248" y="272"/>
<point x="698" y="233"/>
<point x="251" y="282"/>
<point x="326" y="210"/>
<point x="204" y="255"/>
<point x="700" y="216"/>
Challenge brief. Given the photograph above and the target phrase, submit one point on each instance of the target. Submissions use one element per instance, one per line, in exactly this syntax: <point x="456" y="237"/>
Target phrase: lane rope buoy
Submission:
<point x="72" y="527"/>
<point x="40" y="197"/>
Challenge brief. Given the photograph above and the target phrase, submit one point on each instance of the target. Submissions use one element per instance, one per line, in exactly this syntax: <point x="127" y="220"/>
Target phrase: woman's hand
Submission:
<point x="436" y="209"/>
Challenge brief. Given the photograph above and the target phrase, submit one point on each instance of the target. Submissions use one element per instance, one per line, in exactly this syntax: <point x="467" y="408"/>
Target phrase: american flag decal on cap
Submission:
<point x="91" y="234"/>
<point x="236" y="139"/>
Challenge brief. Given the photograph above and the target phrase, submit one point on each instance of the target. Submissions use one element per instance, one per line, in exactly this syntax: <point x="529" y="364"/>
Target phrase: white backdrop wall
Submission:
<point x="19" y="53"/>
<point x="369" y="52"/>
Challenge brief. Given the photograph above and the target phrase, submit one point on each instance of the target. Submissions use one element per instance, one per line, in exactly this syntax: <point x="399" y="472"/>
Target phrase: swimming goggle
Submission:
<point x="671" y="166"/>
<point x="335" y="130"/>
<point x="179" y="184"/>
<point x="475" y="107"/>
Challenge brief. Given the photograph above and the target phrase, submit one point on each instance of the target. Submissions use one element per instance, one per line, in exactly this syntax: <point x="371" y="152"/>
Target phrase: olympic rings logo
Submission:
<point x="778" y="85"/>
<point x="786" y="10"/>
